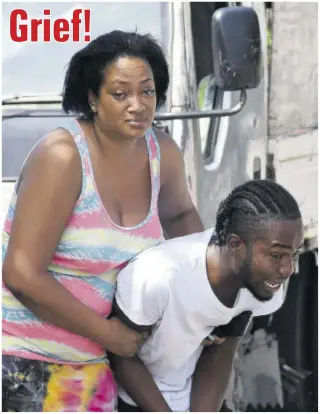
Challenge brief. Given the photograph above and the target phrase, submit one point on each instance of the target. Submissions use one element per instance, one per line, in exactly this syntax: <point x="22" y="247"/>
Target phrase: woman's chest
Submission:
<point x="125" y="191"/>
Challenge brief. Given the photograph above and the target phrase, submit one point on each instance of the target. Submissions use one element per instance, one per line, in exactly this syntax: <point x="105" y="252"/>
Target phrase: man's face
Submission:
<point x="271" y="258"/>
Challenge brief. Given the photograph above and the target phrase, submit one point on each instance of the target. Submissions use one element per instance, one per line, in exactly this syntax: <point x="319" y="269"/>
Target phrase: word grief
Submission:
<point x="24" y="29"/>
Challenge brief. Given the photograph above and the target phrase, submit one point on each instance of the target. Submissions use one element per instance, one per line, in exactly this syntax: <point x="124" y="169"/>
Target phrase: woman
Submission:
<point x="89" y="198"/>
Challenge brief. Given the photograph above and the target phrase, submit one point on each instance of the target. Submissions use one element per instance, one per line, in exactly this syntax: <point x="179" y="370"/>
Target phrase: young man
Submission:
<point x="196" y="296"/>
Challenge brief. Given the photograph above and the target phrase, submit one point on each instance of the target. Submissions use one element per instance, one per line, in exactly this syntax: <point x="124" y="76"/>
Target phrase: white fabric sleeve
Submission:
<point x="142" y="289"/>
<point x="272" y="305"/>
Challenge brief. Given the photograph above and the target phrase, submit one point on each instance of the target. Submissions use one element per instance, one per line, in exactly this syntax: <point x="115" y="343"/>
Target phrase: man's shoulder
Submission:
<point x="177" y="244"/>
<point x="161" y="255"/>
<point x="153" y="266"/>
<point x="168" y="258"/>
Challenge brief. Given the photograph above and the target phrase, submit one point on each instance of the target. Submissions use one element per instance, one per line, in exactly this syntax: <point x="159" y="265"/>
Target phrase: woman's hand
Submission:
<point x="122" y="340"/>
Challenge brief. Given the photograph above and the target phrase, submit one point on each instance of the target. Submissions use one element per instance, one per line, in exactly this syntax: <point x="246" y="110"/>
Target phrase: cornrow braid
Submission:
<point x="260" y="199"/>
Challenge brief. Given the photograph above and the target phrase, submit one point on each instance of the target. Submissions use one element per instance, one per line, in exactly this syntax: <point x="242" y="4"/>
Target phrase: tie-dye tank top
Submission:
<point x="91" y="252"/>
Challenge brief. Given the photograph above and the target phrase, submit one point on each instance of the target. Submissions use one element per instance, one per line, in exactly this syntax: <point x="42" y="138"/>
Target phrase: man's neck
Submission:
<point x="221" y="276"/>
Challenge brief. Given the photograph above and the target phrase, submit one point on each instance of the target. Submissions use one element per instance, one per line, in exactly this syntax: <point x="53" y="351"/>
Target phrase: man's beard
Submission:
<point x="259" y="297"/>
<point x="246" y="272"/>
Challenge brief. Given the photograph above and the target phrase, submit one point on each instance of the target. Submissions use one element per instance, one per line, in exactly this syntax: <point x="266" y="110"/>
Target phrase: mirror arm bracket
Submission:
<point x="204" y="114"/>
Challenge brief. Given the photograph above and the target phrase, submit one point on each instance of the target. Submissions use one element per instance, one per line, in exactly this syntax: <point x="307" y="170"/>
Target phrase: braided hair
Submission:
<point x="254" y="200"/>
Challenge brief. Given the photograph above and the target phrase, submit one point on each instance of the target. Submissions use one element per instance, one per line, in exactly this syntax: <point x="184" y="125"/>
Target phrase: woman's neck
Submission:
<point x="115" y="145"/>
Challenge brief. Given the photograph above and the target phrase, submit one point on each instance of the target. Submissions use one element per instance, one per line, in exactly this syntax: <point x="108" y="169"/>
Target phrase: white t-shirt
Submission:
<point x="167" y="286"/>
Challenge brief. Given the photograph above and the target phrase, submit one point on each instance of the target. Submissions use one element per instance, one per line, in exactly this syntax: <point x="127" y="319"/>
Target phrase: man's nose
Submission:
<point x="287" y="267"/>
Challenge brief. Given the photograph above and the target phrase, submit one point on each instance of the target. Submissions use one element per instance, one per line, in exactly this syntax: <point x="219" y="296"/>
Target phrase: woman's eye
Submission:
<point x="119" y="95"/>
<point x="149" y="92"/>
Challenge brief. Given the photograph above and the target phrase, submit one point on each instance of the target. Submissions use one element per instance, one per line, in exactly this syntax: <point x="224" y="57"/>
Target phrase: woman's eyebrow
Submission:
<point x="124" y="82"/>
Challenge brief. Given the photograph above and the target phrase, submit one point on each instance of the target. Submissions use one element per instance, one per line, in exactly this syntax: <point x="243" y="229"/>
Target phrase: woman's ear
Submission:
<point x="92" y="101"/>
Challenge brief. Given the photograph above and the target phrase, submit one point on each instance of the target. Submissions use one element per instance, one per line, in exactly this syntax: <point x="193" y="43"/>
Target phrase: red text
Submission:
<point x="23" y="28"/>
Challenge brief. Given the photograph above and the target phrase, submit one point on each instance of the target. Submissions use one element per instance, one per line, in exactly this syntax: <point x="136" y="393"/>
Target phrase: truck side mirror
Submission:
<point x="236" y="47"/>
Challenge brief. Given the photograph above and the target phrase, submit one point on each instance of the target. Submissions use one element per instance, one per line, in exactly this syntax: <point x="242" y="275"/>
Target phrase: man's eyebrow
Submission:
<point x="124" y="82"/>
<point x="284" y="246"/>
<point x="300" y="247"/>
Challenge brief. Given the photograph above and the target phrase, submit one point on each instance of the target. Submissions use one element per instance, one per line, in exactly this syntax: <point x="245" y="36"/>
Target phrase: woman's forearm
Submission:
<point x="51" y="301"/>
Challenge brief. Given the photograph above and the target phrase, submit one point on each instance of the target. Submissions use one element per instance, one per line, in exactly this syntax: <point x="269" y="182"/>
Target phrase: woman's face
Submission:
<point x="126" y="105"/>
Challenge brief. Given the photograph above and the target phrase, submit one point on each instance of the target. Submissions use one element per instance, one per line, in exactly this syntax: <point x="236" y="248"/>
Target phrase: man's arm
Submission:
<point x="134" y="377"/>
<point x="212" y="375"/>
<point x="214" y="367"/>
<point x="136" y="380"/>
<point x="141" y="299"/>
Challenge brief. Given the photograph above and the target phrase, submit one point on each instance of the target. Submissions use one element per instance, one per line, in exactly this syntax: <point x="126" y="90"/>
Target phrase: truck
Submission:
<point x="268" y="131"/>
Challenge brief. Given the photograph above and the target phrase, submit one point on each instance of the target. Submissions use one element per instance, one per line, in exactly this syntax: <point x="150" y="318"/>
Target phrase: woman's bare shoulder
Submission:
<point x="58" y="149"/>
<point x="166" y="142"/>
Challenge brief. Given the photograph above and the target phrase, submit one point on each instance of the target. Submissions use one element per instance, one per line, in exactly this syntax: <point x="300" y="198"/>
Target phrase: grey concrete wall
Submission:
<point x="294" y="67"/>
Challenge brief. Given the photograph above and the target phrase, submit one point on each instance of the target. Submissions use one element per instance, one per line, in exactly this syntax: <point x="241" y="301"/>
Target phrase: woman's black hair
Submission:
<point x="86" y="68"/>
<point x="257" y="199"/>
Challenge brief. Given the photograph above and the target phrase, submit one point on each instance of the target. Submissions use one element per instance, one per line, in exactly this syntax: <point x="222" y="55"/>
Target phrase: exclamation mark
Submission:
<point x="87" y="21"/>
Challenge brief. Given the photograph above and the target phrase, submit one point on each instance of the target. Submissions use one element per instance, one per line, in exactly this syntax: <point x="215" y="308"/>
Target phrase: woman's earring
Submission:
<point x="93" y="108"/>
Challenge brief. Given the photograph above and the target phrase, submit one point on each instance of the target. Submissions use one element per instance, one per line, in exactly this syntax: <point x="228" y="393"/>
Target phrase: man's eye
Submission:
<point x="276" y="256"/>
<point x="295" y="257"/>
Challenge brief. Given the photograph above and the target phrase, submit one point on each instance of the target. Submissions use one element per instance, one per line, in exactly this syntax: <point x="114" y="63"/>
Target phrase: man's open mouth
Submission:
<point x="271" y="285"/>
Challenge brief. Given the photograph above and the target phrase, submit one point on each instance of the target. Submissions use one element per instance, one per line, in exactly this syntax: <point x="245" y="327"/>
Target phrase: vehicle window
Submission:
<point x="38" y="68"/>
<point x="208" y="94"/>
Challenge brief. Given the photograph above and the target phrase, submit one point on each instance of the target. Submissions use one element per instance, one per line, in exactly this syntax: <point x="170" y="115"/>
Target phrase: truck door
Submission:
<point x="233" y="149"/>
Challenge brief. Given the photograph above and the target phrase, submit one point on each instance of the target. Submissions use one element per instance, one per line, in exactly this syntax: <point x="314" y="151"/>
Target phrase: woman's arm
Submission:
<point x="50" y="185"/>
<point x="177" y="212"/>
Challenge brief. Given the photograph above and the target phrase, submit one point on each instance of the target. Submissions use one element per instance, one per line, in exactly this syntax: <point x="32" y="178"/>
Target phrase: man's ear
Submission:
<point x="236" y="245"/>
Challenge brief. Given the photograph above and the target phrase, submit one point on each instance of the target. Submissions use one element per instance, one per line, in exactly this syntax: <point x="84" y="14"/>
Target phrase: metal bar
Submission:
<point x="22" y="101"/>
<point x="39" y="113"/>
<point x="45" y="113"/>
<point x="9" y="179"/>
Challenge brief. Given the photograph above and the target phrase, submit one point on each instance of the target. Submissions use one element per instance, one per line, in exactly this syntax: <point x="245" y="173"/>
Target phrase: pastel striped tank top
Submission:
<point x="87" y="260"/>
